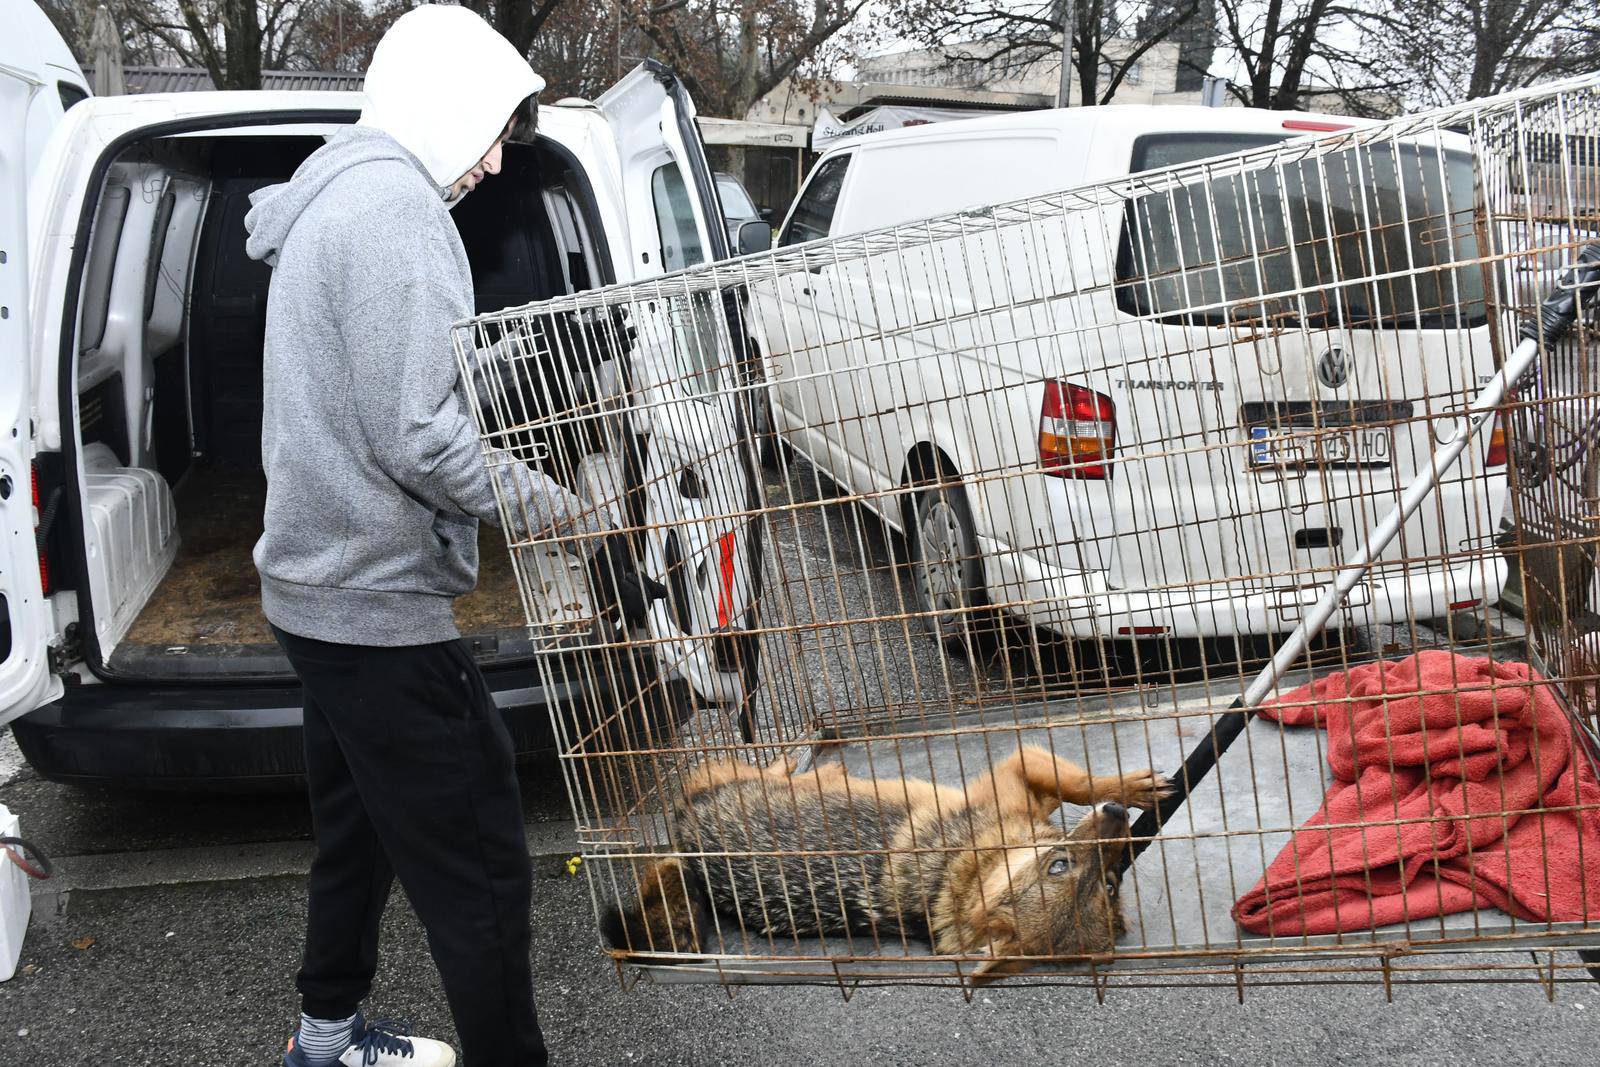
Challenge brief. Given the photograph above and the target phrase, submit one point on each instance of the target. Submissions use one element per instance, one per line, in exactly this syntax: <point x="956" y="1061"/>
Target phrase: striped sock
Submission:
<point x="323" y="1041"/>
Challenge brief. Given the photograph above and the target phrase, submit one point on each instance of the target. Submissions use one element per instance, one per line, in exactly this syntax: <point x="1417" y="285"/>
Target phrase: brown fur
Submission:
<point x="826" y="853"/>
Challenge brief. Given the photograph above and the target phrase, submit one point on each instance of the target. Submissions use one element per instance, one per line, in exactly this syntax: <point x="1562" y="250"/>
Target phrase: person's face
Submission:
<point x="489" y="164"/>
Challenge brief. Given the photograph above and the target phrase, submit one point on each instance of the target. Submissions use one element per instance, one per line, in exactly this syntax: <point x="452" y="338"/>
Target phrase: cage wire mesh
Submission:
<point x="968" y="524"/>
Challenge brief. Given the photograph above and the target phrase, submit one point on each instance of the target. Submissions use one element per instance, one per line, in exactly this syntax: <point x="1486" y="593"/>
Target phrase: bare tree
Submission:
<point x="67" y="17"/>
<point x="341" y="34"/>
<point x="1109" y="36"/>
<point x="730" y="56"/>
<point x="1195" y="35"/>
<point x="518" y="21"/>
<point x="236" y="39"/>
<point x="576" y="51"/>
<point x="1291" y="52"/>
<point x="1452" y="50"/>
<point x="233" y="39"/>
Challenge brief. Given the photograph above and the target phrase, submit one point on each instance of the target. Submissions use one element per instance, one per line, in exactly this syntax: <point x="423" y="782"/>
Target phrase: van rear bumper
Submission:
<point x="1081" y="604"/>
<point x="241" y="738"/>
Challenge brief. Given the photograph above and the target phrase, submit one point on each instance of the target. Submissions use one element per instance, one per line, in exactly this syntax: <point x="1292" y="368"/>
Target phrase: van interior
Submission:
<point x="168" y="372"/>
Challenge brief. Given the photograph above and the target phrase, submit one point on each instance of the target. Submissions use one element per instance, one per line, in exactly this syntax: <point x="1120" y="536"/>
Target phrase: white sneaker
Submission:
<point x="384" y="1043"/>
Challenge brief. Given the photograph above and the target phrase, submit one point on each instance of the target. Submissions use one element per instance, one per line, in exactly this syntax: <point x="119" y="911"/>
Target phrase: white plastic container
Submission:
<point x="15" y="903"/>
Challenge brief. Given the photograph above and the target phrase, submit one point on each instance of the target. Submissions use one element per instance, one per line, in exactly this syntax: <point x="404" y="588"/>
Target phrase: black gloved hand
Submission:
<point x="618" y="584"/>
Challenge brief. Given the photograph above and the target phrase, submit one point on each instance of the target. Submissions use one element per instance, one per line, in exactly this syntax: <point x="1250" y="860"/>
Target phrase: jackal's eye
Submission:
<point x="1060" y="866"/>
<point x="1111" y="887"/>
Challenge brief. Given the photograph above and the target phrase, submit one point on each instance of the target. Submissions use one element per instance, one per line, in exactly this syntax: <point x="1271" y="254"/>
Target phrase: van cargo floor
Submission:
<point x="205" y="617"/>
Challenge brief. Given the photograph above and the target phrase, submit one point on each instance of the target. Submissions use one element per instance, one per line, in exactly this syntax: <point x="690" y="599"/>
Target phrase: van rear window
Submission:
<point x="70" y="94"/>
<point x="1239" y="248"/>
<point x="812" y="217"/>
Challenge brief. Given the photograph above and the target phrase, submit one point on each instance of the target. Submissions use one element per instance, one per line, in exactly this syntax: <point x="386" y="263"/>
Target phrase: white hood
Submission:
<point x="443" y="83"/>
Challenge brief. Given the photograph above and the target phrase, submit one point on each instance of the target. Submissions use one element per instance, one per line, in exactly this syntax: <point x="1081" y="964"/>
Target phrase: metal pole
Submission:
<point x="1069" y="15"/>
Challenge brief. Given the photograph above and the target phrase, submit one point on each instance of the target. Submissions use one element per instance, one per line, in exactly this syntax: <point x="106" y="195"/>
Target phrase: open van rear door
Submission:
<point x="652" y="119"/>
<point x="25" y="678"/>
<point x="693" y="472"/>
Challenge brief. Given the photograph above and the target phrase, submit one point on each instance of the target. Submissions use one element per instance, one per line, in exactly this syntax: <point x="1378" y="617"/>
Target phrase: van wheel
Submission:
<point x="946" y="572"/>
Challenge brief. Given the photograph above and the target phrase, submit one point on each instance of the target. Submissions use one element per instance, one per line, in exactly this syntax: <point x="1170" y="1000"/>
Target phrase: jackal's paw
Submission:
<point x="1141" y="789"/>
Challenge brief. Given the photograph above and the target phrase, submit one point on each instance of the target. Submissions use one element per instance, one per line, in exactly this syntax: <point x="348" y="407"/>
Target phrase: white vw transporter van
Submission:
<point x="1087" y="420"/>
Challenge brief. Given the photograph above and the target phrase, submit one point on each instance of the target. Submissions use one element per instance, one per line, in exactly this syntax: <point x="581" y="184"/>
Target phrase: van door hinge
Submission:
<point x="67" y="651"/>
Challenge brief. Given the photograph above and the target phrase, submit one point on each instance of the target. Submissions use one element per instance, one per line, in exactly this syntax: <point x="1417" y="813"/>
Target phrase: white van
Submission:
<point x="131" y="396"/>
<point x="914" y="381"/>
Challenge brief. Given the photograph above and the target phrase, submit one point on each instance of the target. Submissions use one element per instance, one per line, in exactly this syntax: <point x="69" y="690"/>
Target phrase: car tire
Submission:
<point x="772" y="450"/>
<point x="946" y="572"/>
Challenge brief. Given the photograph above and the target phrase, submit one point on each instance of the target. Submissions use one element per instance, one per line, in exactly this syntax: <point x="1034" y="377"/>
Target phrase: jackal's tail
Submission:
<point x="672" y="913"/>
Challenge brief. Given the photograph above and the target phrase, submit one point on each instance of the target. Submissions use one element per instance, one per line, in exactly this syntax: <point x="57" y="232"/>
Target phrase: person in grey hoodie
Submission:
<point x="375" y="486"/>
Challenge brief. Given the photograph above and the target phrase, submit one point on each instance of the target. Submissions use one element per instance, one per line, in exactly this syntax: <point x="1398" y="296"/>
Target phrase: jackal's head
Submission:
<point x="1057" y="897"/>
<point x="670" y="914"/>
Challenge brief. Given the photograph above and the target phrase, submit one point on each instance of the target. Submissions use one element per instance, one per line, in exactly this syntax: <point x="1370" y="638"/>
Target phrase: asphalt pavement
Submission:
<point x="189" y="959"/>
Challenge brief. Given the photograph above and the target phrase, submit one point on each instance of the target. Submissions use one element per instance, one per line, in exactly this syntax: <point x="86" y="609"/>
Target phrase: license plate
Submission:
<point x="1328" y="446"/>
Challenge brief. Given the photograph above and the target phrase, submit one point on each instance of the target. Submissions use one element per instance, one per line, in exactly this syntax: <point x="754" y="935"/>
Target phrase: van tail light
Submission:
<point x="44" y="563"/>
<point x="725" y="551"/>
<point x="1077" y="431"/>
<point x="1497" y="445"/>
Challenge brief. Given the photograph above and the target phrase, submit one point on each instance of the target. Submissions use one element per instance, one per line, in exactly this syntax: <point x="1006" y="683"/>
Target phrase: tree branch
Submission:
<point x="199" y="33"/>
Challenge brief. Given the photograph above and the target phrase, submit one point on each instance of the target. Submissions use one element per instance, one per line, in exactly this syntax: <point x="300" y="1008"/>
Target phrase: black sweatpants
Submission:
<point x="410" y="772"/>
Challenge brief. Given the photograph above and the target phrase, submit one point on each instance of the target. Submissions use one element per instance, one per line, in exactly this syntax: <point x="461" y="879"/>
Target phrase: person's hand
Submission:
<point x="618" y="584"/>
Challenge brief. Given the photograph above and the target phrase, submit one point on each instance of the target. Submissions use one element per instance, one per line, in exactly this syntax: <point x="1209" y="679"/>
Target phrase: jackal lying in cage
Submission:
<point x="974" y="871"/>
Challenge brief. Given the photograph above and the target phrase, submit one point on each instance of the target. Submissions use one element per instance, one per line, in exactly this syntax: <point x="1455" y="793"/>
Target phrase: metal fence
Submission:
<point x="1269" y="472"/>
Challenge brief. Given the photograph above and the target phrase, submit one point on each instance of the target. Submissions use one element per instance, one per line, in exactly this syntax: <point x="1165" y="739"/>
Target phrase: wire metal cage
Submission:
<point x="1269" y="471"/>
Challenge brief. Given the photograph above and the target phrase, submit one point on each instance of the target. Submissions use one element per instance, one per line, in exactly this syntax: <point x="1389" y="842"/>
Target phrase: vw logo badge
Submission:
<point x="1333" y="369"/>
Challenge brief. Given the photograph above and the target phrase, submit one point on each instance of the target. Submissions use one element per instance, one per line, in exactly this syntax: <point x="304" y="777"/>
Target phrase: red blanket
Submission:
<point x="1439" y="763"/>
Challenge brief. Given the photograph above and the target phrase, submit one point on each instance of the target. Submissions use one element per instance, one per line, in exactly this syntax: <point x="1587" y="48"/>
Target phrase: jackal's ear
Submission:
<point x="996" y="931"/>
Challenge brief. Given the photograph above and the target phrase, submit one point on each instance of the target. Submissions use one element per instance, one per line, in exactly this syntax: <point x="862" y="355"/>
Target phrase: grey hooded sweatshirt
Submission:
<point x="375" y="477"/>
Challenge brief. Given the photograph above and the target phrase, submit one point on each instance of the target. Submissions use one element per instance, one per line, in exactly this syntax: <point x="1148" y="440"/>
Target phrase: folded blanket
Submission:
<point x="1459" y="785"/>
